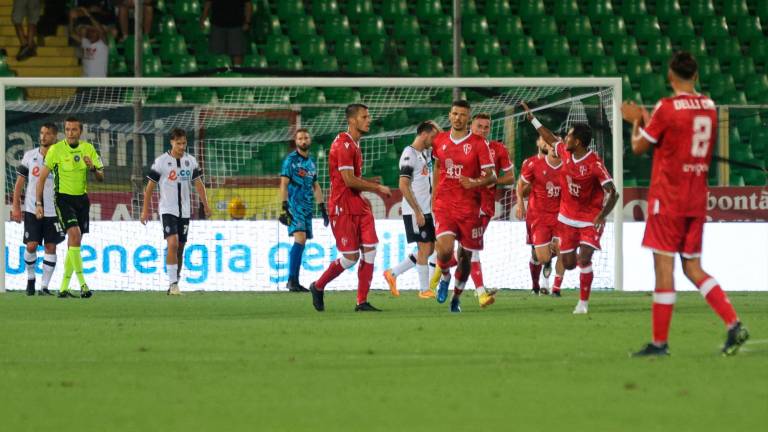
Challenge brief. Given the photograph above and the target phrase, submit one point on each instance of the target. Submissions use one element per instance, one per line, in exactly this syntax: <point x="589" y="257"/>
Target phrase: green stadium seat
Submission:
<point x="734" y="98"/>
<point x="255" y="61"/>
<point x="469" y="66"/>
<point x="599" y="8"/>
<point x="555" y="47"/>
<point x="218" y="61"/>
<point x="521" y="47"/>
<point x="371" y="27"/>
<point x="347" y="48"/>
<point x="172" y="46"/>
<point x="183" y="65"/>
<point x="543" y="27"/>
<point x="667" y="10"/>
<point x="659" y="50"/>
<point x="337" y="26"/>
<point x="440" y="27"/>
<point x="500" y="67"/>
<point x="325" y="63"/>
<point x="165" y="96"/>
<point x="278" y="46"/>
<point x="129" y="47"/>
<point x="428" y="8"/>
<point x="759" y="140"/>
<point x="578" y="26"/>
<point x="638" y="67"/>
<point x="680" y="29"/>
<point x="747" y="120"/>
<point x="565" y="9"/>
<point x="199" y="47"/>
<point x="151" y="66"/>
<point x="699" y="9"/>
<point x="741" y="68"/>
<point x="498" y="10"/>
<point x="187" y="10"/>
<point x="342" y="95"/>
<point x="653" y="87"/>
<point x="117" y="67"/>
<point x="358" y="8"/>
<point x="198" y="95"/>
<point x="727" y="48"/>
<point x="695" y="46"/>
<point x="192" y="31"/>
<point x="509" y="28"/>
<point x="591" y="47"/>
<point x="756" y="85"/>
<point x="445" y="49"/>
<point x="311" y="47"/>
<point x="758" y="49"/>
<point x="623" y="47"/>
<point x="406" y="27"/>
<point x="570" y="66"/>
<point x="468" y="7"/>
<point x="646" y="28"/>
<point x="604" y="66"/>
<point x="529" y="9"/>
<point x="302" y="26"/>
<point x="323" y="8"/>
<point x="733" y="10"/>
<point x="535" y="66"/>
<point x="378" y="48"/>
<point x="394" y="10"/>
<point x="708" y="66"/>
<point x="417" y="48"/>
<point x="361" y="65"/>
<point x="291" y="64"/>
<point x="612" y="26"/>
<point x="633" y="8"/>
<point x="290" y="8"/>
<point x="397" y="66"/>
<point x="720" y="85"/>
<point x="749" y="28"/>
<point x="487" y="49"/>
<point x="431" y="67"/>
<point x="310" y="96"/>
<point x="166" y="25"/>
<point x="474" y="27"/>
<point x="713" y="27"/>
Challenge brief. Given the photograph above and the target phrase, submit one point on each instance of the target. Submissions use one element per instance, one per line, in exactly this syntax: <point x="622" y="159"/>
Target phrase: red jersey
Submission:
<point x="501" y="162"/>
<point x="345" y="154"/>
<point x="683" y="129"/>
<point x="545" y="184"/>
<point x="582" y="181"/>
<point x="466" y="157"/>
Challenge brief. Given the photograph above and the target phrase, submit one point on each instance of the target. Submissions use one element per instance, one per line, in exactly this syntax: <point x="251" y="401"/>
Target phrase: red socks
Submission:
<point x="661" y="313"/>
<point x="718" y="301"/>
<point x="364" y="277"/>
<point x="476" y="272"/>
<point x="535" y="272"/>
<point x="585" y="282"/>
<point x="331" y="273"/>
<point x="558" y="283"/>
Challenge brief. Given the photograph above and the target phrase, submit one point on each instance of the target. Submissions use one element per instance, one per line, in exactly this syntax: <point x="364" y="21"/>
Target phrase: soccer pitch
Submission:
<point x="220" y="361"/>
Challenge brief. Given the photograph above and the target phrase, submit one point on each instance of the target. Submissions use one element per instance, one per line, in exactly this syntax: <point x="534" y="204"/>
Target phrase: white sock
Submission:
<point x="445" y="275"/>
<point x="423" y="271"/>
<point x="30" y="259"/>
<point x="459" y="285"/>
<point x="171" y="270"/>
<point x="49" y="264"/>
<point x="480" y="290"/>
<point x="408" y="263"/>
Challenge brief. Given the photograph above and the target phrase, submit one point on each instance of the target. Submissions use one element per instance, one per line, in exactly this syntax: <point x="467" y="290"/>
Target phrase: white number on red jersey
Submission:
<point x="702" y="135"/>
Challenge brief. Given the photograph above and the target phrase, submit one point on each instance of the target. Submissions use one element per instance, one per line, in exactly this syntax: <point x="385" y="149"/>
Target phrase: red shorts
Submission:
<point x="571" y="237"/>
<point x="485" y="220"/>
<point x="353" y="231"/>
<point x="672" y="234"/>
<point x="541" y="229"/>
<point x="467" y="229"/>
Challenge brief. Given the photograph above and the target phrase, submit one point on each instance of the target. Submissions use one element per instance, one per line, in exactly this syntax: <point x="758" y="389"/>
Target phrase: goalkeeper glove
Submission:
<point x="324" y="212"/>
<point x="286" y="217"/>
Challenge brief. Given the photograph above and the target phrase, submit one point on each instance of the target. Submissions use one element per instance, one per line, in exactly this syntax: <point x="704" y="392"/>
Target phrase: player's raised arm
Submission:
<point x="543" y="131"/>
<point x="638" y="116"/>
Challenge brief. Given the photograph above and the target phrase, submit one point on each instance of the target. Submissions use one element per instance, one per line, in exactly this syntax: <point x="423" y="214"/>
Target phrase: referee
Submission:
<point x="70" y="160"/>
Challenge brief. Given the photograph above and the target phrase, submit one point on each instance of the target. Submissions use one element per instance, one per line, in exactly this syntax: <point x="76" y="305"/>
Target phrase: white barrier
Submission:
<point x="252" y="256"/>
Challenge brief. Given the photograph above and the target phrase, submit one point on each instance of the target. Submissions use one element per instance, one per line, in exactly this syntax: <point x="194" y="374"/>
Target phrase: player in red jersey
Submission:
<point x="540" y="179"/>
<point x="462" y="164"/>
<point x="351" y="217"/>
<point x="588" y="197"/>
<point x="682" y="131"/>
<point x="481" y="125"/>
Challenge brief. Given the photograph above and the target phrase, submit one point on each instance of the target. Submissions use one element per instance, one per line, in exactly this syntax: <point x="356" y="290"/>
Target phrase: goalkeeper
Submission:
<point x="70" y="160"/>
<point x="299" y="191"/>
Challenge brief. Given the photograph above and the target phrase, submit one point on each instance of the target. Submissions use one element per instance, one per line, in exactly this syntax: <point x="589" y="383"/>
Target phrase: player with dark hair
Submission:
<point x="416" y="186"/>
<point x="299" y="191"/>
<point x="590" y="197"/>
<point x="49" y="229"/>
<point x="463" y="164"/>
<point x="352" y="220"/>
<point x="175" y="172"/>
<point x="70" y="160"/>
<point x="682" y="132"/>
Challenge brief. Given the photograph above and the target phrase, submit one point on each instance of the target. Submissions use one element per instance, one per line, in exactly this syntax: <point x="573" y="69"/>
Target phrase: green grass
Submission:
<point x="268" y="362"/>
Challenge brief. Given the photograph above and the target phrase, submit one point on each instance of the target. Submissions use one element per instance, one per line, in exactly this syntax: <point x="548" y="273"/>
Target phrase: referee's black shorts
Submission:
<point x="73" y="210"/>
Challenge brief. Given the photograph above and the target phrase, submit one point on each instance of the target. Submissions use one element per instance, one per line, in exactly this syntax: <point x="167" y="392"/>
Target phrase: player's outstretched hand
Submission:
<point x="39" y="212"/>
<point x="528" y="113"/>
<point x="16" y="214"/>
<point x="324" y="213"/>
<point x="207" y="210"/>
<point x="384" y="190"/>
<point x="420" y="220"/>
<point x="144" y="217"/>
<point x="599" y="222"/>
<point x="466" y="182"/>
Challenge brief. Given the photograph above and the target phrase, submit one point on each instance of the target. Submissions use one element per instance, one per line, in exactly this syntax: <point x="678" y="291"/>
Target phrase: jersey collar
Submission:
<point x="573" y="158"/>
<point x="459" y="141"/>
<point x="353" y="140"/>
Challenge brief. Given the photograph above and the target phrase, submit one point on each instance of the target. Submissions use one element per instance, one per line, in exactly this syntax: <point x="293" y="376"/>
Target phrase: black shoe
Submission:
<point x="547" y="270"/>
<point x="44" y="292"/>
<point x="543" y="291"/>
<point x="737" y="336"/>
<point x="26" y="52"/>
<point x="85" y="292"/>
<point x="22" y="51"/>
<point x="65" y="294"/>
<point x="366" y="307"/>
<point x="295" y="286"/>
<point x="30" y="287"/>
<point x="652" y="350"/>
<point x="535" y="291"/>
<point x="317" y="298"/>
<point x="556" y="293"/>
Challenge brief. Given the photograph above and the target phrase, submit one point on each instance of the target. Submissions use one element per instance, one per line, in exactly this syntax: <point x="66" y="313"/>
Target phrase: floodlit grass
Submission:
<point x="264" y="362"/>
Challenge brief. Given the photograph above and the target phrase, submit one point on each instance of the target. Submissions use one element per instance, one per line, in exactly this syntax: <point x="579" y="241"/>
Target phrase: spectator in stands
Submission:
<point x="230" y="22"/>
<point x="29" y="9"/>
<point x="95" y="50"/>
<point x="100" y="10"/>
<point x="124" y="7"/>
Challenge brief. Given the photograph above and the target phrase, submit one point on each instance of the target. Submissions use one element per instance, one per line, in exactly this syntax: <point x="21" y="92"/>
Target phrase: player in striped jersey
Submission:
<point x="175" y="172"/>
<point x="48" y="229"/>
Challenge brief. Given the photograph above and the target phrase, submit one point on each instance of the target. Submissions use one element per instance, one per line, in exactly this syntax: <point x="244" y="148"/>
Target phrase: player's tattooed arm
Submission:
<point x="611" y="197"/>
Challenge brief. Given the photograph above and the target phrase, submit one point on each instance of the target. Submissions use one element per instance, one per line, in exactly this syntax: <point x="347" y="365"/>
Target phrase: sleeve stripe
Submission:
<point x="406" y="176"/>
<point x="488" y="166"/>
<point x="605" y="182"/>
<point x="648" y="136"/>
<point x="522" y="177"/>
<point x="508" y="168"/>
<point x="346" y="167"/>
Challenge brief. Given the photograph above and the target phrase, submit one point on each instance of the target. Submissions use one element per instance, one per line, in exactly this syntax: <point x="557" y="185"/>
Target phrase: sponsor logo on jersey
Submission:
<point x="467" y="148"/>
<point x="77" y="158"/>
<point x="36" y="171"/>
<point x="582" y="170"/>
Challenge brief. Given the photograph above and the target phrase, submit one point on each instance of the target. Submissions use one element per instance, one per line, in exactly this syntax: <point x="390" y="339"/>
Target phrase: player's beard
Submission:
<point x="304" y="148"/>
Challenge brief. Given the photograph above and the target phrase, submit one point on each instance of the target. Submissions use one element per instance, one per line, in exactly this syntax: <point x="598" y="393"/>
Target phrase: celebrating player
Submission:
<point x="70" y="160"/>
<point x="584" y="208"/>
<point x="540" y="178"/>
<point x="416" y="186"/>
<point x="682" y="131"/>
<point x="175" y="172"/>
<point x="351" y="217"/>
<point x="462" y="164"/>
<point x="36" y="231"/>
<point x="481" y="125"/>
<point x="299" y="190"/>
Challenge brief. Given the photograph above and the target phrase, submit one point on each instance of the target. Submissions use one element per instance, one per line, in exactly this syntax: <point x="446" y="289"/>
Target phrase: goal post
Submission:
<point x="247" y="115"/>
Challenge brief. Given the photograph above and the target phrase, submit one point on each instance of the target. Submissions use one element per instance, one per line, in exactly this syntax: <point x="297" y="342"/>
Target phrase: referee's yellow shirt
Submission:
<point x="69" y="169"/>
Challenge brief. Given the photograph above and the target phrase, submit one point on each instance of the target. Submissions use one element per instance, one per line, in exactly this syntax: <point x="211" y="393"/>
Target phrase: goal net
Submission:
<point x="240" y="130"/>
